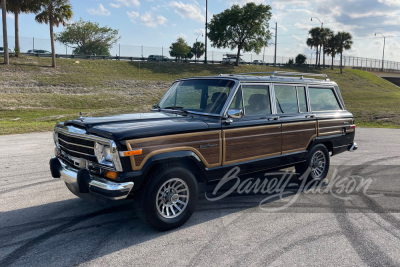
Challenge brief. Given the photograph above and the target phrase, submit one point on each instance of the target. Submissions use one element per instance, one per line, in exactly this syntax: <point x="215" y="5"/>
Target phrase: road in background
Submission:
<point x="43" y="224"/>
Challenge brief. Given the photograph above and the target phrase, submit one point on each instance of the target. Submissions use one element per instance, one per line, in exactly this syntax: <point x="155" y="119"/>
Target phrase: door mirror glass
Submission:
<point x="235" y="113"/>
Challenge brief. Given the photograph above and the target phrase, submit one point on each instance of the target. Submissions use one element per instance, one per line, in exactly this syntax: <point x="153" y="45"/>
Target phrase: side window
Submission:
<point x="323" y="99"/>
<point x="301" y="92"/>
<point x="256" y="100"/>
<point x="286" y="99"/>
<point x="237" y="103"/>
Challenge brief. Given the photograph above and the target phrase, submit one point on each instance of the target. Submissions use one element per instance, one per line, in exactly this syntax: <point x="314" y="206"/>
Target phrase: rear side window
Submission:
<point x="323" y="99"/>
<point x="286" y="99"/>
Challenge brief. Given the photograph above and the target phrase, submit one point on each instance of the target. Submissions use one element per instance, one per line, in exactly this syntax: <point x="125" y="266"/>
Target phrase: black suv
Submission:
<point x="201" y="129"/>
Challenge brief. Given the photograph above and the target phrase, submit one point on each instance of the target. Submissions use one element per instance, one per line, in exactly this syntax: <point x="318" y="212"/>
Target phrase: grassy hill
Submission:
<point x="33" y="96"/>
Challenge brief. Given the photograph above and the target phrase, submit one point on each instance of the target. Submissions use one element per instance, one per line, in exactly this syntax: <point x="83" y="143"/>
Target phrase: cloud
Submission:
<point x="243" y="2"/>
<point x="191" y="11"/>
<point x="127" y="3"/>
<point x="133" y="16"/>
<point x="200" y="31"/>
<point x="149" y="20"/>
<point x="181" y="35"/>
<point x="99" y="11"/>
<point x="10" y="16"/>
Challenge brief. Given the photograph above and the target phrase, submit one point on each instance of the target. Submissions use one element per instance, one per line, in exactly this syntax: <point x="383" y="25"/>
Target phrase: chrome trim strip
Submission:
<point x="74" y="144"/>
<point x="70" y="150"/>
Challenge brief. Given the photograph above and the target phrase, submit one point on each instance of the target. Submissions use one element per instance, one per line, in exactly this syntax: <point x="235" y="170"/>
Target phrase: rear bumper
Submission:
<point x="84" y="182"/>
<point x="353" y="147"/>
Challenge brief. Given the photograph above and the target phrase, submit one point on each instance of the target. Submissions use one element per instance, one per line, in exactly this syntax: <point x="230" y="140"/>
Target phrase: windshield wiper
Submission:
<point x="174" y="108"/>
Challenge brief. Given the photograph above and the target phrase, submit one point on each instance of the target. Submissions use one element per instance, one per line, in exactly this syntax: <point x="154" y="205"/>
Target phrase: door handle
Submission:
<point x="274" y="118"/>
<point x="310" y="116"/>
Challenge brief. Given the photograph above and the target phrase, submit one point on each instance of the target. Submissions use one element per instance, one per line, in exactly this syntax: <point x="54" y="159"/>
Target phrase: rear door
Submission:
<point x="299" y="125"/>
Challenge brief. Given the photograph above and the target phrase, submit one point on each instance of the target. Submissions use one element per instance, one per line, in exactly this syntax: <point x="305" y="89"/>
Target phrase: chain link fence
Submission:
<point x="131" y="52"/>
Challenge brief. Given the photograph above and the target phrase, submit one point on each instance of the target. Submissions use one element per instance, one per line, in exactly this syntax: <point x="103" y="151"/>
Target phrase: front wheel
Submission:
<point x="316" y="166"/>
<point x="169" y="198"/>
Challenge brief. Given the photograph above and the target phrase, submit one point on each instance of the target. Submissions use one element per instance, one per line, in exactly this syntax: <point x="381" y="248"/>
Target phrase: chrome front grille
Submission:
<point x="77" y="147"/>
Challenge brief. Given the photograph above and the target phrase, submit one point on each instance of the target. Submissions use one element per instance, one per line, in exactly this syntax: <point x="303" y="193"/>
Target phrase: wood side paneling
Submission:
<point x="297" y="136"/>
<point x="331" y="127"/>
<point x="250" y="143"/>
<point x="206" y="145"/>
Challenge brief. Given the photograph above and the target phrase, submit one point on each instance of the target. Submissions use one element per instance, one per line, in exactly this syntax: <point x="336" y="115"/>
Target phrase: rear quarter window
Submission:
<point x="323" y="99"/>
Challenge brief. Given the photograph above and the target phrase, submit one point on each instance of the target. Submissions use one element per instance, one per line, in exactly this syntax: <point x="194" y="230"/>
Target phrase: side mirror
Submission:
<point x="235" y="113"/>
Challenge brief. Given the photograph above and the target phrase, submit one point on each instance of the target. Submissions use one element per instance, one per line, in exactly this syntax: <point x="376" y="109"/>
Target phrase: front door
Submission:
<point x="248" y="141"/>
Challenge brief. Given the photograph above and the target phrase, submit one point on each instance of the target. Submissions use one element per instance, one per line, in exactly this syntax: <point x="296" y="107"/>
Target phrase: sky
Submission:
<point x="152" y="23"/>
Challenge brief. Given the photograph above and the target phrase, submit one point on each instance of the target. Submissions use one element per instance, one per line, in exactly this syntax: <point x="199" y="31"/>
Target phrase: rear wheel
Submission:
<point x="316" y="166"/>
<point x="169" y="198"/>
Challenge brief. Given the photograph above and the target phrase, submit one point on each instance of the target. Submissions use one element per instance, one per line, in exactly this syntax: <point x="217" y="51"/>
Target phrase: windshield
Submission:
<point x="205" y="96"/>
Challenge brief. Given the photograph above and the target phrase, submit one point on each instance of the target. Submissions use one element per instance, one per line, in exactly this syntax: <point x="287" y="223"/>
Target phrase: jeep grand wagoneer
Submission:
<point x="201" y="129"/>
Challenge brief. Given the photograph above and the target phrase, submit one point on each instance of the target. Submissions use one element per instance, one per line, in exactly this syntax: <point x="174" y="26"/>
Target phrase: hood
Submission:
<point x="130" y="126"/>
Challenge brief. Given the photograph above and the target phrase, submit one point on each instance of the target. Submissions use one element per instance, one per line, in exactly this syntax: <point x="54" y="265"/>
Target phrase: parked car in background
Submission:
<point x="157" y="58"/>
<point x="38" y="51"/>
<point x="202" y="128"/>
<point x="231" y="59"/>
<point x="2" y="50"/>
<point x="258" y="62"/>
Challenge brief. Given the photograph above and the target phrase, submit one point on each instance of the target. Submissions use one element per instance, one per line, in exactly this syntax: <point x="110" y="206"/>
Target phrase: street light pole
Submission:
<point x="205" y="57"/>
<point x="195" y="56"/>
<point x="384" y="43"/>
<point x="322" y="27"/>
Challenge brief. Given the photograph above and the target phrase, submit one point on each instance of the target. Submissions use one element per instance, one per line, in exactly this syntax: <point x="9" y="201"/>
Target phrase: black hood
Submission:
<point x="130" y="126"/>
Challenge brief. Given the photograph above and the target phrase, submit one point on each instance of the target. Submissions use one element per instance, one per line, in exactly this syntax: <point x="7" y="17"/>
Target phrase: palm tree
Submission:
<point x="54" y="13"/>
<point x="331" y="46"/>
<point x="325" y="33"/>
<point x="315" y="41"/>
<point x="16" y="7"/>
<point x="5" y="40"/>
<point x="344" y="42"/>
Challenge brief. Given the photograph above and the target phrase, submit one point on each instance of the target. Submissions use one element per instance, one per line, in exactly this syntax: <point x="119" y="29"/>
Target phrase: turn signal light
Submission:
<point x="111" y="175"/>
<point x="352" y="126"/>
<point x="133" y="153"/>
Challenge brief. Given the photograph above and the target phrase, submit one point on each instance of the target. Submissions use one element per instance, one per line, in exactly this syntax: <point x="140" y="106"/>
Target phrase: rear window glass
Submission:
<point x="323" y="99"/>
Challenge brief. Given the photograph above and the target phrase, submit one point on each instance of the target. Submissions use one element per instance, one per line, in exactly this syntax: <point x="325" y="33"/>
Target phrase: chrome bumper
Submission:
<point x="94" y="184"/>
<point x="353" y="147"/>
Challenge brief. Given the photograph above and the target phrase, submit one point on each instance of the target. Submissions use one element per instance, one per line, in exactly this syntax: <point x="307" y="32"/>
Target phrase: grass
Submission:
<point x="33" y="96"/>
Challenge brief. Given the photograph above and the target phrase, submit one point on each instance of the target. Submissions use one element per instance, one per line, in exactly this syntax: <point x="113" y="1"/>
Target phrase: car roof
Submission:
<point x="275" y="77"/>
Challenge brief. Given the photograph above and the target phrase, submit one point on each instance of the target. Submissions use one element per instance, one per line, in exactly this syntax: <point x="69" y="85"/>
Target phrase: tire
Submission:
<point x="316" y="166"/>
<point x="168" y="199"/>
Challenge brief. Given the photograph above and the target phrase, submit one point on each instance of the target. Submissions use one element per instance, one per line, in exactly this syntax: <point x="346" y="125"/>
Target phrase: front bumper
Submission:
<point x="84" y="182"/>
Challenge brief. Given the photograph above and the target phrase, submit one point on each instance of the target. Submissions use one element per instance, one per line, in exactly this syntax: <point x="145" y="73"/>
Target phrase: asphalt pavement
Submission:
<point x="352" y="219"/>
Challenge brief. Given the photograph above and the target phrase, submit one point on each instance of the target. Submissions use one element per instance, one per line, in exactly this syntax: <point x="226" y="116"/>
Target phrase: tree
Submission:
<point x="180" y="49"/>
<point x="315" y="41"/>
<point x="245" y="28"/>
<point x="54" y="13"/>
<point x="17" y="7"/>
<point x="331" y="47"/>
<point x="344" y="42"/>
<point x="5" y="40"/>
<point x="88" y="38"/>
<point x="300" y="60"/>
<point x="325" y="33"/>
<point x="198" y="49"/>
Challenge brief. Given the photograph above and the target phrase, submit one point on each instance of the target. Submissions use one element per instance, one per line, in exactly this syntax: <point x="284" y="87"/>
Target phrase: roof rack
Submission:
<point x="282" y="74"/>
